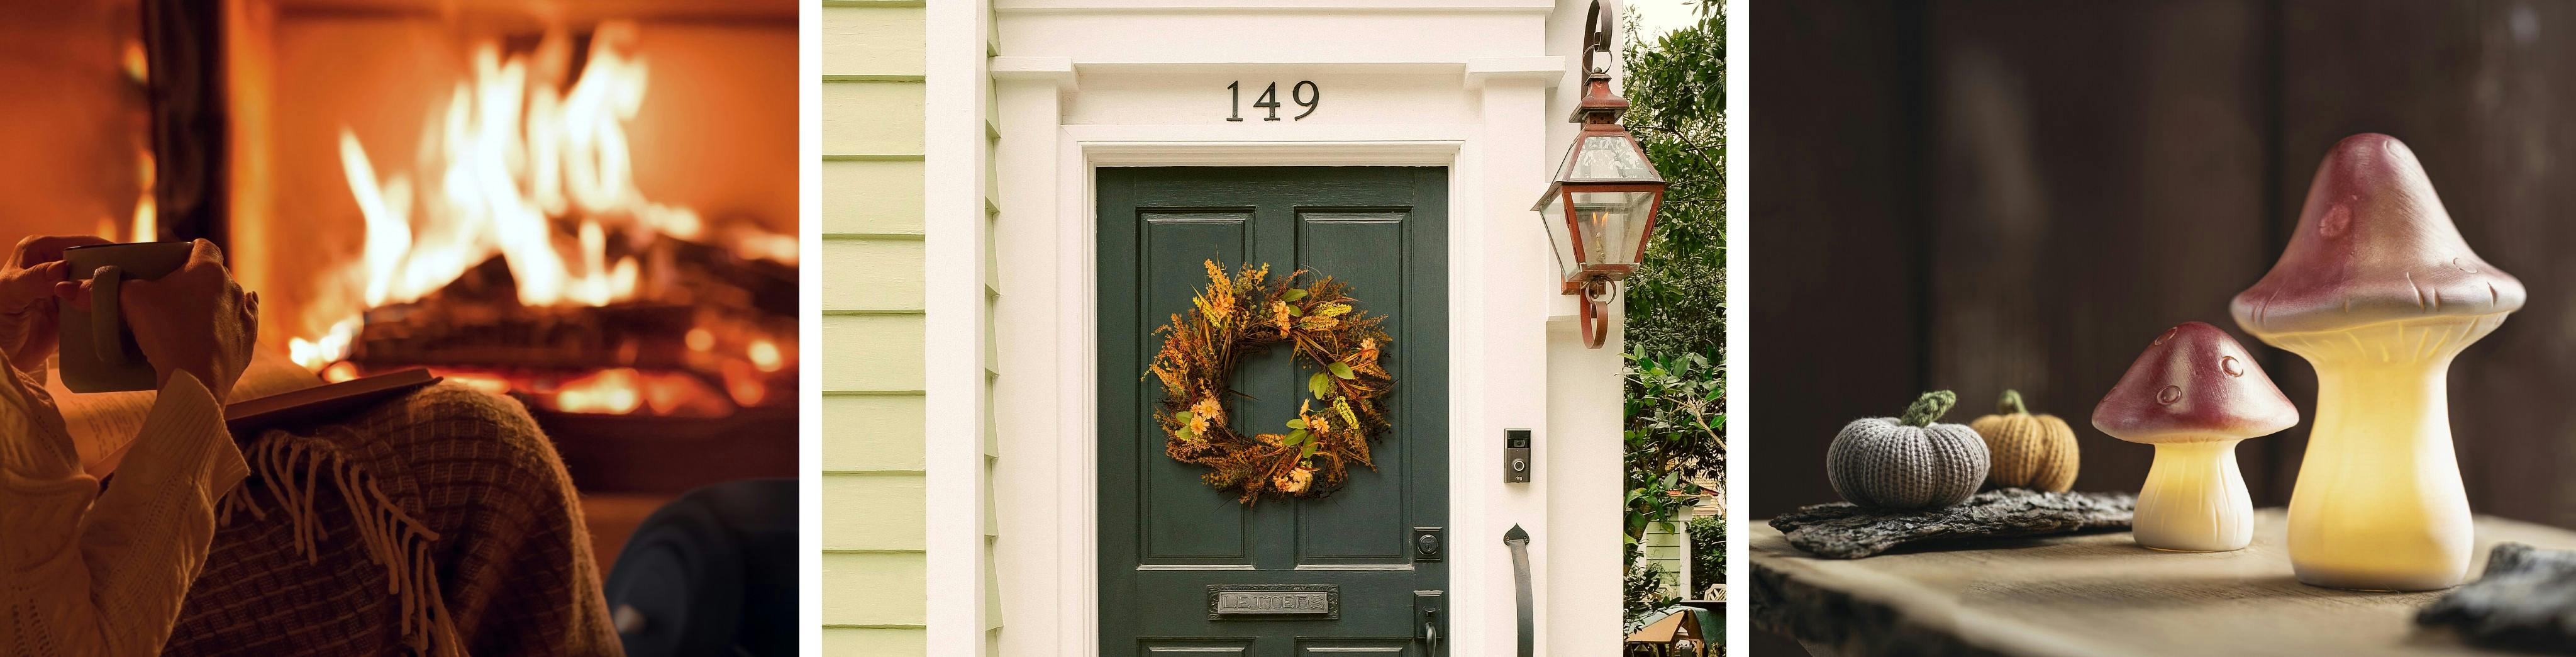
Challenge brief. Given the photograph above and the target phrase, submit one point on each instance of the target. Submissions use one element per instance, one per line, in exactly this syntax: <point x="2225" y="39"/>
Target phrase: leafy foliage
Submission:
<point x="1242" y="314"/>
<point x="1676" y="313"/>
<point x="1708" y="551"/>
<point x="1642" y="591"/>
<point x="1676" y="90"/>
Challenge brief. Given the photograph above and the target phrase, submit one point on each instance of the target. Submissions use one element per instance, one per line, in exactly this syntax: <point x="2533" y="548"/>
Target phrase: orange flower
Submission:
<point x="1279" y="314"/>
<point x="1294" y="481"/>
<point x="1205" y="412"/>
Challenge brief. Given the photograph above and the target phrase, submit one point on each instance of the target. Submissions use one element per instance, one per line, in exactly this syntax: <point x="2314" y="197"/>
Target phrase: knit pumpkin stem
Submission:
<point x="1931" y="406"/>
<point x="2011" y="404"/>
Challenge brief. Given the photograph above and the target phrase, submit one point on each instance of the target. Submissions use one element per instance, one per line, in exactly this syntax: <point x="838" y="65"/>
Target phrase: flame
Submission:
<point x="144" y="213"/>
<point x="523" y="167"/>
<point x="514" y="150"/>
<point x="516" y="153"/>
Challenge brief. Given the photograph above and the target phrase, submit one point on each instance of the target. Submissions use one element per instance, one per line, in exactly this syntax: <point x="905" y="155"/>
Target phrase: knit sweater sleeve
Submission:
<point x="85" y="572"/>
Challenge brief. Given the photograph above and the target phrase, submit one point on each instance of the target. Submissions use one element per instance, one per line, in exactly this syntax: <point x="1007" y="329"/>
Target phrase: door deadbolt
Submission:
<point x="1427" y="545"/>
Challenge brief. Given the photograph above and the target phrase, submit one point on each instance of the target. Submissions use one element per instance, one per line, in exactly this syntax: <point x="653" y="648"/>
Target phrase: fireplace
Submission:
<point x="589" y="206"/>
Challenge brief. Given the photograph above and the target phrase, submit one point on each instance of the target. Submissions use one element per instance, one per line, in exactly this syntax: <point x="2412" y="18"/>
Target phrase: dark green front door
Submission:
<point x="1168" y="543"/>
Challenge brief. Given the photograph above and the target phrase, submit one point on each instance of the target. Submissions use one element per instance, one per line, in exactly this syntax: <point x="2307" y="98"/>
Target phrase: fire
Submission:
<point x="523" y="167"/>
<point x="516" y="152"/>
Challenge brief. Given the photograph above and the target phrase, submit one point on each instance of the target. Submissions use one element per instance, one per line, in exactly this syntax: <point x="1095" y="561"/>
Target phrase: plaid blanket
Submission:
<point x="441" y="523"/>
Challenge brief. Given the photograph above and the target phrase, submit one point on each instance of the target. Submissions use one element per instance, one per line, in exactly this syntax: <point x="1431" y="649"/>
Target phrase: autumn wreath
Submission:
<point x="1242" y="315"/>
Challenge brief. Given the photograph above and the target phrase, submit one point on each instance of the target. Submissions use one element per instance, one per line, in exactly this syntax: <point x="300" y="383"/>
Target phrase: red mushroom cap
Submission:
<point x="2193" y="384"/>
<point x="2373" y="245"/>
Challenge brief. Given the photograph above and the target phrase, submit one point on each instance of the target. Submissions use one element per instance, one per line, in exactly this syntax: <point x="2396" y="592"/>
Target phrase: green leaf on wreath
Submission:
<point x="1293" y="295"/>
<point x="1299" y="423"/>
<point x="1343" y="371"/>
<point x="1319" y="385"/>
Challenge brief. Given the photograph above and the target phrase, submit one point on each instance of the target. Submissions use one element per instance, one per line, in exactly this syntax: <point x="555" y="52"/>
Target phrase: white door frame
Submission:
<point x="1044" y="313"/>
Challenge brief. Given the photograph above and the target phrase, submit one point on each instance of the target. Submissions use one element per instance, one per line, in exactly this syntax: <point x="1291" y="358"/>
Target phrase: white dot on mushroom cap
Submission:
<point x="2169" y="395"/>
<point x="2229" y="365"/>
<point x="2169" y="334"/>
<point x="2335" y="221"/>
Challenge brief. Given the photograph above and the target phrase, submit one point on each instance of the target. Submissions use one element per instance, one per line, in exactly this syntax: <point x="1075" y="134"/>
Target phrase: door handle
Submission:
<point x="1519" y="540"/>
<point x="1426" y="610"/>
<point x="1430" y="638"/>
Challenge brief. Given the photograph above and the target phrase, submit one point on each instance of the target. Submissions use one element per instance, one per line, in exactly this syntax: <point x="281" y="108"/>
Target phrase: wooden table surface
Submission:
<point x="2092" y="594"/>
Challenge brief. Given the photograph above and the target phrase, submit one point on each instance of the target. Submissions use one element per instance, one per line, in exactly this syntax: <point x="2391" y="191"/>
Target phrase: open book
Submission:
<point x="103" y="424"/>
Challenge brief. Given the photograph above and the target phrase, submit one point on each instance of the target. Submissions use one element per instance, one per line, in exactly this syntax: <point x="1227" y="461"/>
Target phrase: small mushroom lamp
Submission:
<point x="2378" y="292"/>
<point x="2194" y="394"/>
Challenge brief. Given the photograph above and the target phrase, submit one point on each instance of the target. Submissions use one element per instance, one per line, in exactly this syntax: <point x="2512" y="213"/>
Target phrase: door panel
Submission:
<point x="1165" y="538"/>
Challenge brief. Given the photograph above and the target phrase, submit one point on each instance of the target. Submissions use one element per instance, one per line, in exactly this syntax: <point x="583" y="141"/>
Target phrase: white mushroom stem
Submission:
<point x="2378" y="505"/>
<point x="2195" y="499"/>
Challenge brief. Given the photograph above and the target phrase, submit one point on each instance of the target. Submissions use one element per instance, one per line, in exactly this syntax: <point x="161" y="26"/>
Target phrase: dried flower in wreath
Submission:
<point x="1240" y="315"/>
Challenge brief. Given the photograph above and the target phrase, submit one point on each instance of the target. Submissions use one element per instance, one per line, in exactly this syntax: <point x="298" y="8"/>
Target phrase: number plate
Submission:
<point x="1274" y="601"/>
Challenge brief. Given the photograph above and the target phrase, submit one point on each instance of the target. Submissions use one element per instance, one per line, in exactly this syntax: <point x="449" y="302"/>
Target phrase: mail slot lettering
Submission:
<point x="1283" y="601"/>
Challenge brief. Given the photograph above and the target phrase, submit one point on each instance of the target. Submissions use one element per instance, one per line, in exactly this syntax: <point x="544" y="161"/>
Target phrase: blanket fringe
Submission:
<point x="291" y="466"/>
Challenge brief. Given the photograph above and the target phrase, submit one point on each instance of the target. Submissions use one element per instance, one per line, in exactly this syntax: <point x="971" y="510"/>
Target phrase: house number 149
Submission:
<point x="1306" y="94"/>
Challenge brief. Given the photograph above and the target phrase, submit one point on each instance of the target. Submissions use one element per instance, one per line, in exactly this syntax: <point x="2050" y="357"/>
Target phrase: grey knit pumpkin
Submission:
<point x="1908" y="462"/>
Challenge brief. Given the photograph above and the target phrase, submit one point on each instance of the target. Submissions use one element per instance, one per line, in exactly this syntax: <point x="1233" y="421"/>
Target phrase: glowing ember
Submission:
<point x="627" y="390"/>
<point x="491" y="383"/>
<point x="611" y="391"/>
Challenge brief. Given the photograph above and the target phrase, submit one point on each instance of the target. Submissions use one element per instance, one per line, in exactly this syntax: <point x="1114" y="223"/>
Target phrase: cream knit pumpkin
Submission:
<point x="1907" y="462"/>
<point x="2029" y="451"/>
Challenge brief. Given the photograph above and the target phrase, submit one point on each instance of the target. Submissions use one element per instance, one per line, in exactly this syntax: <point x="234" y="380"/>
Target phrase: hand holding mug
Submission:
<point x="195" y="319"/>
<point x="28" y="325"/>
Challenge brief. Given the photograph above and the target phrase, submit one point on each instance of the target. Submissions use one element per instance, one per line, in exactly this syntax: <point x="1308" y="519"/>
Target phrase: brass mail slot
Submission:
<point x="1274" y="601"/>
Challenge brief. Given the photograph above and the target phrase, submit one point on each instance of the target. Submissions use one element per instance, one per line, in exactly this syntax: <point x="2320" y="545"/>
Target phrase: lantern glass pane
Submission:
<point x="1605" y="157"/>
<point x="1553" y="214"/>
<point x="1613" y="225"/>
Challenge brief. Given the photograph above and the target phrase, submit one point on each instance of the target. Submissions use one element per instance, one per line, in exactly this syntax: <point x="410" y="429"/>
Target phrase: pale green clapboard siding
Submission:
<point x="872" y="532"/>
<point x="871" y="120"/>
<point x="872" y="197"/>
<point x="873" y="589"/>
<point x="870" y="42"/>
<point x="872" y="275"/>
<point x="871" y="641"/>
<point x="873" y="433"/>
<point x="871" y="353"/>
<point x="1663" y="545"/>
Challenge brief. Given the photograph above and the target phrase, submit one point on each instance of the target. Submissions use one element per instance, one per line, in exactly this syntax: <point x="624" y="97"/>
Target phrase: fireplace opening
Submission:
<point x="587" y="205"/>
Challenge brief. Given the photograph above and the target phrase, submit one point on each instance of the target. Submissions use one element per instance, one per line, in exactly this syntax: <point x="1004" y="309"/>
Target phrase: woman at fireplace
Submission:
<point x="87" y="572"/>
<point x="441" y="523"/>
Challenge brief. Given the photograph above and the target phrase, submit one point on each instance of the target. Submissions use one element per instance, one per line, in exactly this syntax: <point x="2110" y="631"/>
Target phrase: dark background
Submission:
<point x="1981" y="195"/>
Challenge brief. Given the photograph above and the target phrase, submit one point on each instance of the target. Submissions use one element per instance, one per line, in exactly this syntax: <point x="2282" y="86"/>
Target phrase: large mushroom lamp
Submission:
<point x="2194" y="394"/>
<point x="2378" y="292"/>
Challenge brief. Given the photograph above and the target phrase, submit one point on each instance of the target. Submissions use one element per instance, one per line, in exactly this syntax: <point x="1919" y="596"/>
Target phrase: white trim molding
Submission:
<point x="1472" y="88"/>
<point x="954" y="457"/>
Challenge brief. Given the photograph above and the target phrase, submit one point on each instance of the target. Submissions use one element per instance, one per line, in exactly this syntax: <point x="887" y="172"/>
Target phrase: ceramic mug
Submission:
<point x="98" y="351"/>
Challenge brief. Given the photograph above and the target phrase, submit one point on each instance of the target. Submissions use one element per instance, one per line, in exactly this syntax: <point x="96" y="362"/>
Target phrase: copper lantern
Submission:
<point x="1601" y="207"/>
